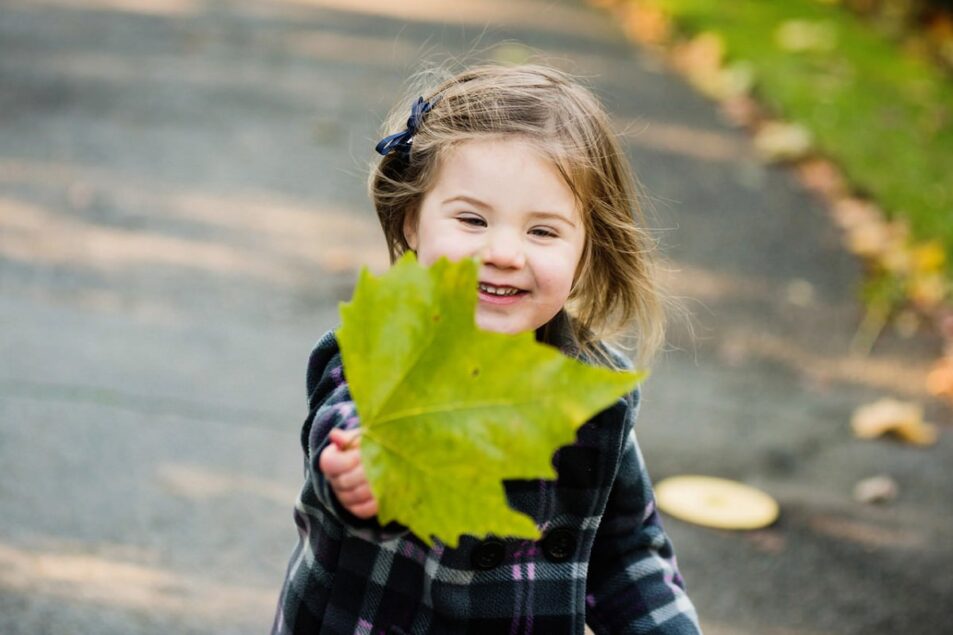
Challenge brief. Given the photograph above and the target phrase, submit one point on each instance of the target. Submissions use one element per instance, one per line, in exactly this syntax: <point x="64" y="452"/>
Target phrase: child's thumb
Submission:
<point x="345" y="439"/>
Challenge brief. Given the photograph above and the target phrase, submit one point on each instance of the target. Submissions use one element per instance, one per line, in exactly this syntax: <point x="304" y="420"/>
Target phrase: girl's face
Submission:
<point x="501" y="201"/>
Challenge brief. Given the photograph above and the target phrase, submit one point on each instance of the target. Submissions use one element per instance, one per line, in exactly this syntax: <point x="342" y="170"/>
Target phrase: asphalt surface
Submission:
<point x="182" y="207"/>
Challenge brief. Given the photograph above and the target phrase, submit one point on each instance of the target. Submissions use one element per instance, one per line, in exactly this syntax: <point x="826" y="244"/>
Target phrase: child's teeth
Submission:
<point x="498" y="290"/>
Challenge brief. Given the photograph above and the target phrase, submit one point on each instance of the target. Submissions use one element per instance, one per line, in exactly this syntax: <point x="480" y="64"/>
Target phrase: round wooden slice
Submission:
<point x="715" y="502"/>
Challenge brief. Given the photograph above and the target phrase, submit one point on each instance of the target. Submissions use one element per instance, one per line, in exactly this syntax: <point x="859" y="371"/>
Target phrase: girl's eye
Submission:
<point x="543" y="232"/>
<point x="472" y="221"/>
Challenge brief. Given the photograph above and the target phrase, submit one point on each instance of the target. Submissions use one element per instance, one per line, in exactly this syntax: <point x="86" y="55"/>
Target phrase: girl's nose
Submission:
<point x="504" y="251"/>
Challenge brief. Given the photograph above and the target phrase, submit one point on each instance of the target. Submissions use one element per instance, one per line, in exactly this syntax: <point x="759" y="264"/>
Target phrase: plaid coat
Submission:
<point x="604" y="558"/>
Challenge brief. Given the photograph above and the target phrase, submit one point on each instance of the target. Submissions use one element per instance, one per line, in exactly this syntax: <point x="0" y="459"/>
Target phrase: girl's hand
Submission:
<point x="341" y="464"/>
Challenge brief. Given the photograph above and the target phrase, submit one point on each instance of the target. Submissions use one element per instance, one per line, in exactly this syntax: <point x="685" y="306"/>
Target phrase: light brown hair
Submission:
<point x="616" y="286"/>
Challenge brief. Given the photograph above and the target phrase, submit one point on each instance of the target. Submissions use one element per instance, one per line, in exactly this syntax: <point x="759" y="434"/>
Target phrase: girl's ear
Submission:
<point x="410" y="230"/>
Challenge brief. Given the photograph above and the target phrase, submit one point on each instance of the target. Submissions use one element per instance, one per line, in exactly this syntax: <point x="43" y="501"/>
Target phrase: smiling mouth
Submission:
<point x="501" y="291"/>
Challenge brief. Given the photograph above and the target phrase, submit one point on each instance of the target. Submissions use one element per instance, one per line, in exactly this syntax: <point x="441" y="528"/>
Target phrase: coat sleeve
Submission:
<point x="330" y="406"/>
<point x="634" y="586"/>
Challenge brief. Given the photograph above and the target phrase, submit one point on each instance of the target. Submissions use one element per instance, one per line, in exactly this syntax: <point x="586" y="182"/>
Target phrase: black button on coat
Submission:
<point x="488" y="554"/>
<point x="559" y="544"/>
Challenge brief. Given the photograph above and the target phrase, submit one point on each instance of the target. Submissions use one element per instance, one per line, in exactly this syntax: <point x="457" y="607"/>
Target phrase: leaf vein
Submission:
<point x="454" y="408"/>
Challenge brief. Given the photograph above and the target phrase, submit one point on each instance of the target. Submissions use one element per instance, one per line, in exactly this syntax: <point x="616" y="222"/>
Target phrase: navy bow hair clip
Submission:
<point x="402" y="140"/>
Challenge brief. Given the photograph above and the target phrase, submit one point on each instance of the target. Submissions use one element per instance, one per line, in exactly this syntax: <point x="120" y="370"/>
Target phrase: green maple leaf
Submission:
<point x="449" y="411"/>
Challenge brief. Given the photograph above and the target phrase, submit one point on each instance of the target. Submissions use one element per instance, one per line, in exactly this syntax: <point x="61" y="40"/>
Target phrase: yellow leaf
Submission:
<point x="929" y="256"/>
<point x="917" y="433"/>
<point x="481" y="407"/>
<point x="715" y="502"/>
<point x="900" y="418"/>
<point x="878" y="418"/>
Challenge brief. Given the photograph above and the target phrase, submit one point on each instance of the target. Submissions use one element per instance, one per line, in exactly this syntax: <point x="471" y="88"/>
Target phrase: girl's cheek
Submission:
<point x="461" y="245"/>
<point x="452" y="248"/>
<point x="561" y="281"/>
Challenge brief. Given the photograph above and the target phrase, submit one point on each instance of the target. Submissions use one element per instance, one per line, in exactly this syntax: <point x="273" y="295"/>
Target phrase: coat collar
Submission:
<point x="558" y="332"/>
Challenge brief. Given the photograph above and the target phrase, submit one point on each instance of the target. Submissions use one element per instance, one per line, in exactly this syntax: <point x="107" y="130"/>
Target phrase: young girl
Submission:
<point x="518" y="166"/>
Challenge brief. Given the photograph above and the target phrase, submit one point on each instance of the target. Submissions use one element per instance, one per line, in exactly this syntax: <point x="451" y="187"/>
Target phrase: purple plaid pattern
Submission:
<point x="604" y="558"/>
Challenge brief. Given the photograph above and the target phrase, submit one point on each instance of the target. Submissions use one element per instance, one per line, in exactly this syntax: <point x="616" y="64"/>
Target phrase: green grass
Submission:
<point x="884" y="116"/>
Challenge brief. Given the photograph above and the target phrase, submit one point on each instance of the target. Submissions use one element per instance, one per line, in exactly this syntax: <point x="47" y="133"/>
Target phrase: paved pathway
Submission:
<point x="182" y="206"/>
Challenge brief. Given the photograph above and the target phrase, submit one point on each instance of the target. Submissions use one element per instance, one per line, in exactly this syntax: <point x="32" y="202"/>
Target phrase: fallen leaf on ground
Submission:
<point x="449" y="411"/>
<point x="917" y="433"/>
<point x="715" y="502"/>
<point x="645" y="24"/>
<point x="904" y="420"/>
<point x="741" y="110"/>
<point x="703" y="54"/>
<point x="823" y="177"/>
<point x="876" y="489"/>
<point x="778" y="141"/>
<point x="852" y="212"/>
<point x="940" y="378"/>
<point x="871" y="240"/>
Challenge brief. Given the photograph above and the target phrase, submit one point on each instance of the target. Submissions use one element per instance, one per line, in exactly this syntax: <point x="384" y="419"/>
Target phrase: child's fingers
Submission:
<point x="341" y="464"/>
<point x="354" y="497"/>
<point x="364" y="510"/>
<point x="333" y="462"/>
<point x="350" y="479"/>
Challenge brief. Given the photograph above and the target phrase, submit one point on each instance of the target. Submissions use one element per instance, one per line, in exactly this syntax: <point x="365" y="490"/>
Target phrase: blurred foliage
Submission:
<point x="883" y="114"/>
<point x="875" y="107"/>
<point x="924" y="26"/>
